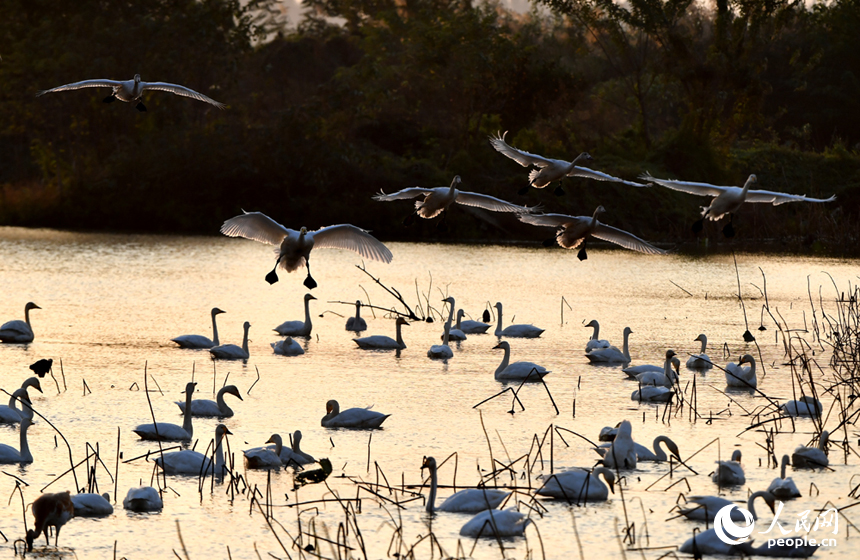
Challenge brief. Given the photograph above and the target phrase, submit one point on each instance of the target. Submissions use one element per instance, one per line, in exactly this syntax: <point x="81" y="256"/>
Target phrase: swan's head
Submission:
<point x="746" y="359"/>
<point x="786" y="460"/>
<point x="736" y="456"/>
<point x="449" y="300"/>
<point x="599" y="210"/>
<point x="32" y="382"/>
<point x="456" y="181"/>
<point x="460" y="313"/>
<point x="401" y="321"/>
<point x="608" y="476"/>
<point x="625" y="429"/>
<point x="584" y="156"/>
<point x="332" y="406"/>
<point x="297" y="437"/>
<point x="752" y="179"/>
<point x="673" y="448"/>
<point x="246" y="326"/>
<point x="136" y="78"/>
<point x="676" y="363"/>
<point x="592" y="324"/>
<point x="822" y="441"/>
<point x="30" y="305"/>
<point x="189" y="387"/>
<point x="503" y="345"/>
<point x="276" y="439"/>
<point x="358" y="303"/>
<point x="670" y="354"/>
<point x="303" y="231"/>
<point x="701" y="338"/>
<point x="233" y="390"/>
<point x="628" y="330"/>
<point x="216" y="311"/>
<point x="221" y="431"/>
<point x="429" y="463"/>
<point x="498" y="305"/>
<point x="309" y="297"/>
<point x="326" y="465"/>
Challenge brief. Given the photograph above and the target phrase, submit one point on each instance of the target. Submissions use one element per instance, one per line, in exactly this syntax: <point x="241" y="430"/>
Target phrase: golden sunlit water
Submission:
<point x="111" y="303"/>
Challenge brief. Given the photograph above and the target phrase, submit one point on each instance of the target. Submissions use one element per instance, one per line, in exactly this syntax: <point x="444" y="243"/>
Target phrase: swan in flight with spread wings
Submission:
<point x="132" y="90"/>
<point x="439" y="199"/>
<point x="294" y="247"/>
<point x="574" y="231"/>
<point x="549" y="170"/>
<point x="728" y="200"/>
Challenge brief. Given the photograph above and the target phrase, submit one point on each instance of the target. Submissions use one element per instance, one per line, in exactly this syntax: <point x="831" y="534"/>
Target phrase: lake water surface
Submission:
<point x="111" y="303"/>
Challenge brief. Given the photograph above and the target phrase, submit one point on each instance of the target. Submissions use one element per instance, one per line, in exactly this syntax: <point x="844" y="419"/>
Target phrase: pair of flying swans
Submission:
<point x="728" y="200"/>
<point x="294" y="247"/>
<point x="573" y="231"/>
<point x="132" y="91"/>
<point x="439" y="199"/>
<point x="549" y="170"/>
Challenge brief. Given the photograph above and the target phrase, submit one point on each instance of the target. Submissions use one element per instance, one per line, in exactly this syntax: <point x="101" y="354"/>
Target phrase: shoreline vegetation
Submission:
<point x="323" y="116"/>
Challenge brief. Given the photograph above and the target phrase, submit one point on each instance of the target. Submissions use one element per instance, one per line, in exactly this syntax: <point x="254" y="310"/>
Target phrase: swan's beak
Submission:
<point x="237" y="394"/>
<point x="227" y="431"/>
<point x="270" y="440"/>
<point x="497" y="346"/>
<point x="611" y="486"/>
<point x="328" y="409"/>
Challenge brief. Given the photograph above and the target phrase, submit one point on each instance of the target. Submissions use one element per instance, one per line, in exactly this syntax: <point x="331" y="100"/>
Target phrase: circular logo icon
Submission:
<point x="726" y="529"/>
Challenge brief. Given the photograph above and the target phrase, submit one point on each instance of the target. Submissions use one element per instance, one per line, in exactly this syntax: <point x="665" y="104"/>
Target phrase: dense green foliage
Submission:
<point x="376" y="94"/>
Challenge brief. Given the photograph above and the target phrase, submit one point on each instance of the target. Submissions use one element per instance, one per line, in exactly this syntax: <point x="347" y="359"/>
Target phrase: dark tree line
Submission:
<point x="375" y="94"/>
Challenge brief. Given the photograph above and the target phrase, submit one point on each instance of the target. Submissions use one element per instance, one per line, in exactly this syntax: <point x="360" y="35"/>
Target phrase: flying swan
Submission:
<point x="132" y="90"/>
<point x="549" y="170"/>
<point x="574" y="231"/>
<point x="728" y="200"/>
<point x="294" y="247"/>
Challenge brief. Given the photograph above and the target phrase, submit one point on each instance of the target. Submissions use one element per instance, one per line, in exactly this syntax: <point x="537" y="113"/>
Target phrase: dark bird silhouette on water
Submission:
<point x="315" y="476"/>
<point x="42" y="367"/>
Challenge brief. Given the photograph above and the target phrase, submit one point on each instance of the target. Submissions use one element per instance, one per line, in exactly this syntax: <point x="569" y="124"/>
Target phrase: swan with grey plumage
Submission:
<point x="298" y="328"/>
<point x="171" y="432"/>
<point x="11" y="414"/>
<point x="195" y="341"/>
<point x="469" y="500"/>
<point x="515" y="331"/>
<point x="233" y="351"/>
<point x="17" y="331"/>
<point x="210" y="408"/>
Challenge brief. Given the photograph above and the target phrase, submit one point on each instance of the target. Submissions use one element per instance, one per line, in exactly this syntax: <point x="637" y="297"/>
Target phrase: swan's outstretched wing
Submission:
<point x="701" y="189"/>
<point x="256" y="226"/>
<point x="403" y="194"/>
<point x="599" y="176"/>
<point x="523" y="158"/>
<point x="626" y="240"/>
<point x="777" y="198"/>
<point x="181" y="90"/>
<point x="550" y="220"/>
<point x="347" y="236"/>
<point x="488" y="202"/>
<point x="80" y="85"/>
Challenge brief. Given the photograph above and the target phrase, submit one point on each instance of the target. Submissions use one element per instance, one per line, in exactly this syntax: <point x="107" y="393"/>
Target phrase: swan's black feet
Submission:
<point x="140" y="107"/>
<point x="409" y="220"/>
<point x="310" y="283"/>
<point x="558" y="191"/>
<point x="109" y="99"/>
<point x="524" y="190"/>
<point x="549" y="242"/>
<point x="698" y="225"/>
<point x="271" y="277"/>
<point x="729" y="230"/>
<point x="582" y="255"/>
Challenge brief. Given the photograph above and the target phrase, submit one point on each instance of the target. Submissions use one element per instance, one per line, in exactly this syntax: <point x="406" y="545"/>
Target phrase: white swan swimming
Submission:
<point x="206" y="407"/>
<point x="171" y="432"/>
<point x="665" y="378"/>
<point x="469" y="500"/>
<point x="439" y="199"/>
<point x="9" y="454"/>
<point x="573" y="231"/>
<point x="200" y="341"/>
<point x="470" y="327"/>
<point x="188" y="461"/>
<point x="652" y="393"/>
<point x="622" y="453"/>
<point x="707" y="542"/>
<point x="232" y="351"/>
<point x="578" y="485"/>
<point x="454" y="333"/>
<point x="145" y="498"/>
<point x="700" y="360"/>
<point x="741" y="377"/>
<point x="517" y="371"/>
<point x="357" y="418"/>
<point x="291" y="456"/>
<point x="92" y="505"/>
<point x="132" y="90"/>
<point x="356" y="323"/>
<point x="549" y="170"/>
<point x="612" y="355"/>
<point x="17" y="330"/>
<point x="443" y="351"/>
<point x="515" y="331"/>
<point x="634" y="371"/>
<point x="294" y="247"/>
<point x="706" y="507"/>
<point x="264" y="457"/>
<point x="804" y="406"/>
<point x="287" y="347"/>
<point x="380" y="342"/>
<point x="643" y="454"/>
<point x="730" y="473"/>
<point x="298" y="328"/>
<point x="781" y="487"/>
<point x="496" y="523"/>
<point x="11" y="414"/>
<point x="595" y="342"/>
<point x="811" y="457"/>
<point x="728" y="200"/>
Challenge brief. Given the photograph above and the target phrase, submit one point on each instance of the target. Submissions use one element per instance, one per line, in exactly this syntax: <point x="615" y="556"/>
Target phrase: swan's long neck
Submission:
<point x="658" y="449"/>
<point x="785" y="460"/>
<point x="751" y="502"/>
<point x="751" y="375"/>
<point x="357" y="311"/>
<point x="505" y="359"/>
<point x="499" y="325"/>
<point x="704" y="344"/>
<point x="448" y="323"/>
<point x="186" y="419"/>
<point x="25" y="448"/>
<point x="400" y="336"/>
<point x="459" y="317"/>
<point x="431" y="501"/>
<point x="279" y="445"/>
<point x="297" y="440"/>
<point x="308" y="313"/>
<point x="627" y="339"/>
<point x="245" y="340"/>
<point x="219" y="453"/>
<point x="593" y="223"/>
<point x="222" y="406"/>
<point x="13" y="400"/>
<point x="746" y="188"/>
<point x="215" y="330"/>
<point x="596" y="334"/>
<point x="27" y="317"/>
